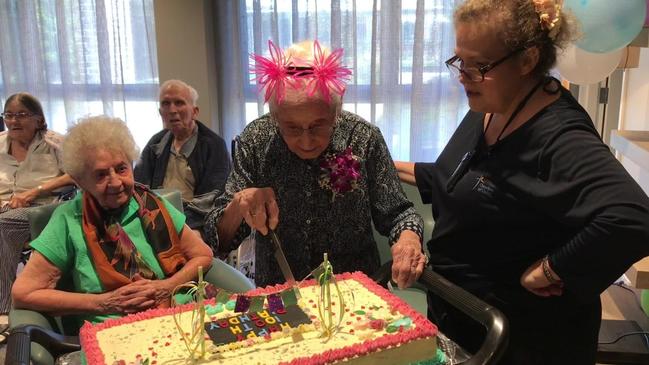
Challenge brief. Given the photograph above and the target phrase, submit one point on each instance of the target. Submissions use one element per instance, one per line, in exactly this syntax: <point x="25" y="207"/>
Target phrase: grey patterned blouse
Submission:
<point x="310" y="222"/>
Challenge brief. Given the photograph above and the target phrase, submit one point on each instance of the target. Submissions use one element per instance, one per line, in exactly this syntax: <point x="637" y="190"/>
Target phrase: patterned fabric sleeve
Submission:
<point x="392" y="212"/>
<point x="239" y="179"/>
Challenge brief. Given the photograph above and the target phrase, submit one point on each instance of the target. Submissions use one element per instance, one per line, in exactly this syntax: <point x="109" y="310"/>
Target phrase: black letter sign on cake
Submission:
<point x="255" y="324"/>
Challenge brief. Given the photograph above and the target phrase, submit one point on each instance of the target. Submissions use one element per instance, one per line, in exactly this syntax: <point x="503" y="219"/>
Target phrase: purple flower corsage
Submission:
<point x="340" y="172"/>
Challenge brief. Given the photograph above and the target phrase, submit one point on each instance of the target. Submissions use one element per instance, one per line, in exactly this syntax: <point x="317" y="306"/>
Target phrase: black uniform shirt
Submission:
<point x="550" y="187"/>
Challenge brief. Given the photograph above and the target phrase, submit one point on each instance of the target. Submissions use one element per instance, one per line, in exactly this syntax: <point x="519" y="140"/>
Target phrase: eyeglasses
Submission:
<point x="315" y="131"/>
<point x="15" y="116"/>
<point x="476" y="74"/>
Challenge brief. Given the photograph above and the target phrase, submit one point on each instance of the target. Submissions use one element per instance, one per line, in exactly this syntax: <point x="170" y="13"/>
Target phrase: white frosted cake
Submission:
<point x="376" y="328"/>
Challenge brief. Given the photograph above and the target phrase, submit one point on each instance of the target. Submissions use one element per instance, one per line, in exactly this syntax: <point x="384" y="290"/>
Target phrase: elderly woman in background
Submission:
<point x="124" y="247"/>
<point x="316" y="175"/>
<point x="30" y="169"/>
<point x="532" y="211"/>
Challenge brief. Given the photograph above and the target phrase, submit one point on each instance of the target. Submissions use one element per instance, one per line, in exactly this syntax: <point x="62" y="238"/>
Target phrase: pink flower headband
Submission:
<point x="549" y="15"/>
<point x="325" y="74"/>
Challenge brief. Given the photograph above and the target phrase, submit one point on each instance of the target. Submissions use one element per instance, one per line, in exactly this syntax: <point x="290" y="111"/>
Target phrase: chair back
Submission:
<point x="40" y="215"/>
<point x="173" y="196"/>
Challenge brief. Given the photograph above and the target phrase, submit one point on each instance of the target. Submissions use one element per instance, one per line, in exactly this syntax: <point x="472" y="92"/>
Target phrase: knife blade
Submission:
<point x="281" y="259"/>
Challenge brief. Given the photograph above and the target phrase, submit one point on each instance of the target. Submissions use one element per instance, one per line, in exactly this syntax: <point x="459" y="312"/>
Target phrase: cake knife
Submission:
<point x="279" y="253"/>
<point x="281" y="259"/>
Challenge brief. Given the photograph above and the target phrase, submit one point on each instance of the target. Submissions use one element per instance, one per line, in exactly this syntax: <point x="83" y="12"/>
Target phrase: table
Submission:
<point x="621" y="313"/>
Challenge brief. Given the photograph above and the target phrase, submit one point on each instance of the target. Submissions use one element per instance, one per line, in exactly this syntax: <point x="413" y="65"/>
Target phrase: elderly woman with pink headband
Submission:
<point x="316" y="175"/>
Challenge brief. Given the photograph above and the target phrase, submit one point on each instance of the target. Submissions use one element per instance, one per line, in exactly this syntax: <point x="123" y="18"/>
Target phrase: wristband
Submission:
<point x="545" y="265"/>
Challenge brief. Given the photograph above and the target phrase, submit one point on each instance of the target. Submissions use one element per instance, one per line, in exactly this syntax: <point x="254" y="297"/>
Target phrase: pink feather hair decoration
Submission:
<point x="325" y="73"/>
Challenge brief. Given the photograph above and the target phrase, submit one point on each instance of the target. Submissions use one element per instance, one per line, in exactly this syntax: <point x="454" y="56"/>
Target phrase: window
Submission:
<point x="396" y="50"/>
<point x="82" y="58"/>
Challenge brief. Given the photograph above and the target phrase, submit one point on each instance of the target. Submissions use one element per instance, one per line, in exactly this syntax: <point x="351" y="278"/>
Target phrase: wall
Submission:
<point x="184" y="35"/>
<point x="634" y="113"/>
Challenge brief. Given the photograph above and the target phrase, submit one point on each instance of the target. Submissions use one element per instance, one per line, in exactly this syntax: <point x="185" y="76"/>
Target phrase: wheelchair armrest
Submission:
<point x="65" y="193"/>
<point x="490" y="317"/>
<point x="41" y="354"/>
<point x="21" y="337"/>
<point x="227" y="277"/>
<point x="18" y="317"/>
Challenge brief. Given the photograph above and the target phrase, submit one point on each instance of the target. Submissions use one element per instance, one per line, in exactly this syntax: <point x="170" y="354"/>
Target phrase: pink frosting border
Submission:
<point x="424" y="328"/>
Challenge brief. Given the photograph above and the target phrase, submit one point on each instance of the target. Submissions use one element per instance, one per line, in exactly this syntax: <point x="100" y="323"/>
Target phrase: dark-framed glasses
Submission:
<point x="476" y="74"/>
<point x="315" y="131"/>
<point x="15" y="116"/>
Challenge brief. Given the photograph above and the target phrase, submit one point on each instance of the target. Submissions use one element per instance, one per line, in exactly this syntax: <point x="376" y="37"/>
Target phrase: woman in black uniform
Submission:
<point x="532" y="211"/>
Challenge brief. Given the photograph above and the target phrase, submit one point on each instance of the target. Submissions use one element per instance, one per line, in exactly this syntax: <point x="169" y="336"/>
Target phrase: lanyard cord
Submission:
<point x="463" y="166"/>
<point x="518" y="109"/>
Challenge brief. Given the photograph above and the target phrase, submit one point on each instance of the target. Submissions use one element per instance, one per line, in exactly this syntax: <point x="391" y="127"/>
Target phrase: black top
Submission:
<point x="209" y="161"/>
<point x="550" y="187"/>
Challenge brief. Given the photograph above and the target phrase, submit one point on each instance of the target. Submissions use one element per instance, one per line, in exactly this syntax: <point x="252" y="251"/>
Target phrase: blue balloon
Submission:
<point x="608" y="25"/>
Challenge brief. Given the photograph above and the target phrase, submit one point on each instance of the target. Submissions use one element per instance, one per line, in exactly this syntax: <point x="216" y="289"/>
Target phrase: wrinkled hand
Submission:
<point x="24" y="199"/>
<point x="258" y="207"/>
<point x="135" y="297"/>
<point x="408" y="259"/>
<point x="535" y="281"/>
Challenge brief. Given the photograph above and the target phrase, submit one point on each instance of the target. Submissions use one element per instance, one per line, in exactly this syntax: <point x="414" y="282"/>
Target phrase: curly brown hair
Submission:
<point x="517" y="23"/>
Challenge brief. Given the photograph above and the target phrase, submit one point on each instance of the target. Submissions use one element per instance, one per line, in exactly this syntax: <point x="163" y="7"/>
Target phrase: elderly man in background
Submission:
<point x="186" y="155"/>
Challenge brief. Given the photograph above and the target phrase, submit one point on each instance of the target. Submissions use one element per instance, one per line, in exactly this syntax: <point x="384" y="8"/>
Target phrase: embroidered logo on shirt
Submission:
<point x="484" y="186"/>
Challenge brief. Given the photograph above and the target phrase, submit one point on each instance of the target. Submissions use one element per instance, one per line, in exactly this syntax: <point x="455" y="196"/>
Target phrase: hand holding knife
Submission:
<point x="259" y="209"/>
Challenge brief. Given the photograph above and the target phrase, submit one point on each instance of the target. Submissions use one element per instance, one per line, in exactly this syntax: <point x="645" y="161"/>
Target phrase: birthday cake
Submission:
<point x="362" y="324"/>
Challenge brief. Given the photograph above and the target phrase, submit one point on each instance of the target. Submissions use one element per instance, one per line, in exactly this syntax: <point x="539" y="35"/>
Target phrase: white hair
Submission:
<point x="96" y="133"/>
<point x="183" y="85"/>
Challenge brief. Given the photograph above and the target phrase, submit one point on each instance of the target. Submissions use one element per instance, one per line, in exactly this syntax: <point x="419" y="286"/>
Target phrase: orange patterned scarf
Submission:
<point x="115" y="257"/>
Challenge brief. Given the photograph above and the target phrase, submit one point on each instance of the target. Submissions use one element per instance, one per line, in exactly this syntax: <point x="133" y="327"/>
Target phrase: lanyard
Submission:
<point x="518" y="109"/>
<point x="463" y="166"/>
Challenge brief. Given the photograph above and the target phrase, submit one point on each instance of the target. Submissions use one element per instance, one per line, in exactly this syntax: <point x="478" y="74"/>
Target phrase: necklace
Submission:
<point x="518" y="109"/>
